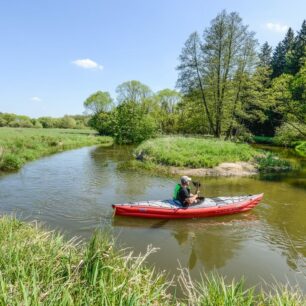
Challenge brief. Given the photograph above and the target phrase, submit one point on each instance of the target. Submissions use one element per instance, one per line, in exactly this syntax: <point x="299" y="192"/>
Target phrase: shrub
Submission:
<point x="271" y="163"/>
<point x="286" y="135"/>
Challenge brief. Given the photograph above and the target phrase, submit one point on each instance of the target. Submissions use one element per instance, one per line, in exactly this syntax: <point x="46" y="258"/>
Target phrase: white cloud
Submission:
<point x="87" y="64"/>
<point x="36" y="99"/>
<point x="277" y="27"/>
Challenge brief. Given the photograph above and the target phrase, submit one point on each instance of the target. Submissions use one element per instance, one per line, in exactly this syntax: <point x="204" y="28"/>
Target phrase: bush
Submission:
<point x="286" y="135"/>
<point x="67" y="122"/>
<point x="271" y="163"/>
<point x="132" y="125"/>
<point x="103" y="123"/>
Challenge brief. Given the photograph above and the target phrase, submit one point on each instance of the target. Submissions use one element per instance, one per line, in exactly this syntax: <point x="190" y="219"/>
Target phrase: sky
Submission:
<point x="56" y="53"/>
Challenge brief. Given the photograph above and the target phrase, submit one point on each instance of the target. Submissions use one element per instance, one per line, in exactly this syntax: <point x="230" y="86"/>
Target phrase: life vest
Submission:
<point x="176" y="191"/>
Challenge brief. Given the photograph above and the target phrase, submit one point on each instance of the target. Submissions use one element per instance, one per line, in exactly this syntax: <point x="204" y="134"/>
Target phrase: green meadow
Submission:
<point x="20" y="145"/>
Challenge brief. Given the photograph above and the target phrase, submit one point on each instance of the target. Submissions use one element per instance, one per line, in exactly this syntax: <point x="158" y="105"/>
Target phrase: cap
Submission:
<point x="185" y="179"/>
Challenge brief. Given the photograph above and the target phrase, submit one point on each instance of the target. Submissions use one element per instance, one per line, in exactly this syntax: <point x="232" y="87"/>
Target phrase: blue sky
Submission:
<point x="55" y="53"/>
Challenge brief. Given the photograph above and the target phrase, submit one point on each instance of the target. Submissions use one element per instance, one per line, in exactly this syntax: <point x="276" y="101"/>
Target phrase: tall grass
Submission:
<point x="18" y="145"/>
<point x="193" y="152"/>
<point x="213" y="290"/>
<point x="41" y="268"/>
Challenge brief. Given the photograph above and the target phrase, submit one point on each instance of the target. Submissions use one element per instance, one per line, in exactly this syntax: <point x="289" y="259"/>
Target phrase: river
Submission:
<point x="73" y="191"/>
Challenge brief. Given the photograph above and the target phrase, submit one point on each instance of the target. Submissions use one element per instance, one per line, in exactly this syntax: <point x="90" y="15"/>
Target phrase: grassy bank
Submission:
<point x="38" y="267"/>
<point x="193" y="152"/>
<point x="172" y="155"/>
<point x="19" y="145"/>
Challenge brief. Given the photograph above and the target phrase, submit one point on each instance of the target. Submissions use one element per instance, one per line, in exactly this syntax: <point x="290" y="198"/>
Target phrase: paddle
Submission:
<point x="197" y="185"/>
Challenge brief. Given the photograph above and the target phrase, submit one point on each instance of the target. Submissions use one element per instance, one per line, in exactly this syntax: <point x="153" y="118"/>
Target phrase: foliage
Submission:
<point x="271" y="163"/>
<point x="132" y="120"/>
<point x="288" y="134"/>
<point x="166" y="110"/>
<point x="280" y="55"/>
<point x="132" y="125"/>
<point x="66" y="122"/>
<point x="208" y="66"/>
<point x="98" y="102"/>
<point x="17" y="146"/>
<point x="193" y="152"/>
<point x="133" y="91"/>
<point x="103" y="122"/>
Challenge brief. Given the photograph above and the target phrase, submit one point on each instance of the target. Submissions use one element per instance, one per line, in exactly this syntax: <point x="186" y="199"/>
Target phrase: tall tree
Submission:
<point x="192" y="72"/>
<point x="281" y="56"/>
<point x="209" y="67"/>
<point x="265" y="55"/>
<point x="299" y="50"/>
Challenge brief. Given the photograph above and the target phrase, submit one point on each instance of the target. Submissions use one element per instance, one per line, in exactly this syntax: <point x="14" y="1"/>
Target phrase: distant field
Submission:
<point x="19" y="145"/>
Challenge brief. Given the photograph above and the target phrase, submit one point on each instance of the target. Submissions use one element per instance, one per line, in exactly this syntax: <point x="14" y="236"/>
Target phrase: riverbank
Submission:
<point x="20" y="145"/>
<point x="41" y="267"/>
<point x="203" y="157"/>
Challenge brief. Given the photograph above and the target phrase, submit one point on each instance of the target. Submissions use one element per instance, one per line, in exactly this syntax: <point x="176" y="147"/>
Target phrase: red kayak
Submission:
<point x="172" y="209"/>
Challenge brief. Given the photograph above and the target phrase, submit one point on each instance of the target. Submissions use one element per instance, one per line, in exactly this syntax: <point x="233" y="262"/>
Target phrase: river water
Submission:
<point x="73" y="192"/>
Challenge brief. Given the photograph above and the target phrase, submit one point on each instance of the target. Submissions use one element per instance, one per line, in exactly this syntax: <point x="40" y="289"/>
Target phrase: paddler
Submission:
<point x="182" y="192"/>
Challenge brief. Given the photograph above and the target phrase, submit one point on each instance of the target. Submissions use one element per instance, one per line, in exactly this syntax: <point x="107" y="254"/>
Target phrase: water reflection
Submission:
<point x="211" y="241"/>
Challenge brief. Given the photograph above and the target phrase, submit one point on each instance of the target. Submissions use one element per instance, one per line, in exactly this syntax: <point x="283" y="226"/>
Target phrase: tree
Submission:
<point x="67" y="122"/>
<point x="287" y="91"/>
<point x="131" y="124"/>
<point x="166" y="114"/>
<point x="98" y="102"/>
<point x="191" y="74"/>
<point x="281" y="56"/>
<point x="208" y="67"/>
<point x="298" y="50"/>
<point x="133" y="91"/>
<point x="265" y="55"/>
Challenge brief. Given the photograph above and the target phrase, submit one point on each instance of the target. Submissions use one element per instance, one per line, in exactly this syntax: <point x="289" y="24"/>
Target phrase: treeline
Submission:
<point x="66" y="122"/>
<point x="229" y="87"/>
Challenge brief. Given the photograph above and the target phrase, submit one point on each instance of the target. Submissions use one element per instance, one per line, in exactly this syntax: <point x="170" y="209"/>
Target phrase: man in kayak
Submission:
<point x="182" y="192"/>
